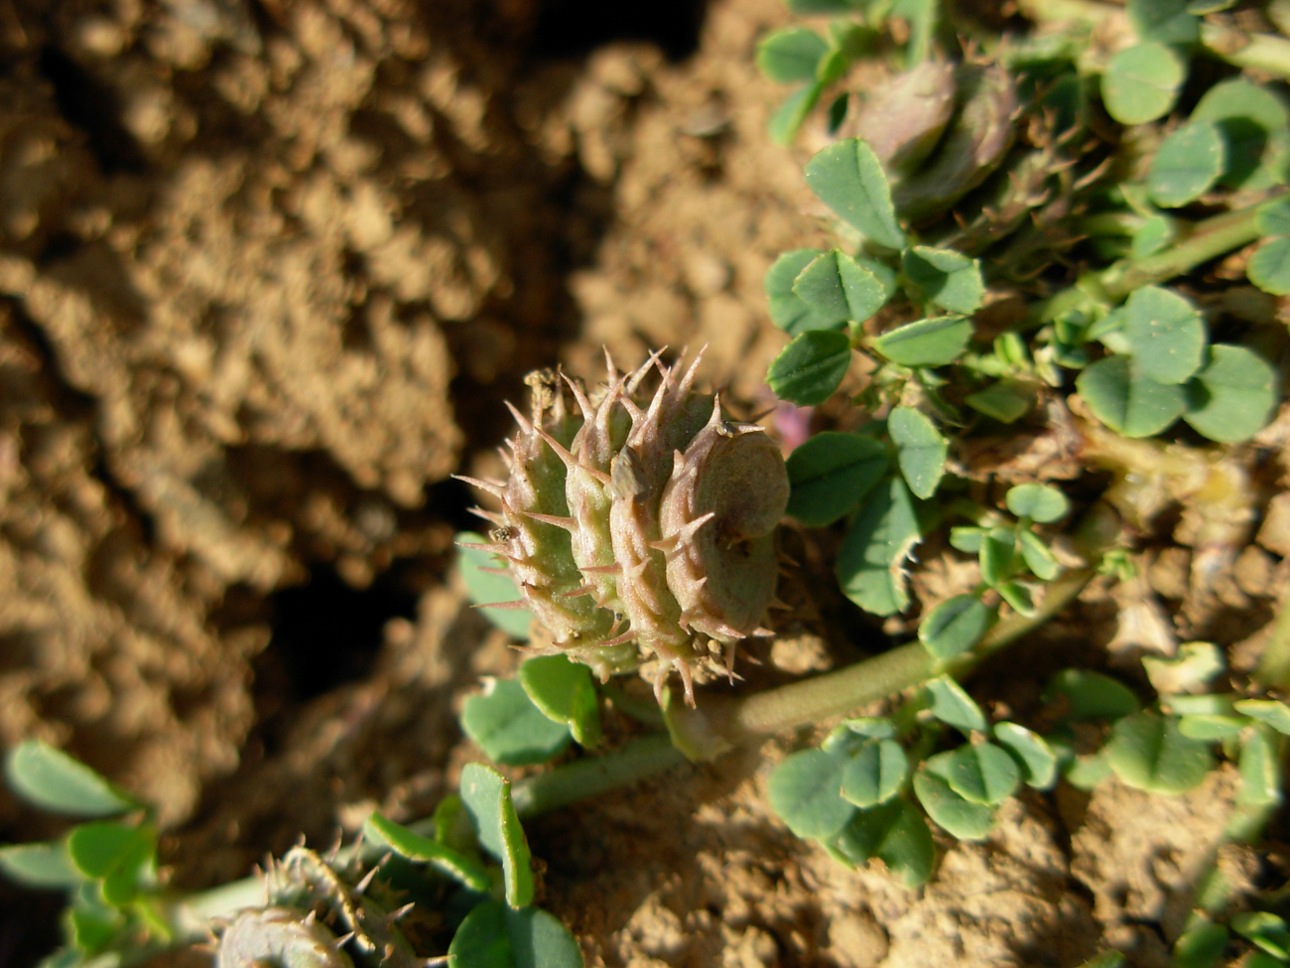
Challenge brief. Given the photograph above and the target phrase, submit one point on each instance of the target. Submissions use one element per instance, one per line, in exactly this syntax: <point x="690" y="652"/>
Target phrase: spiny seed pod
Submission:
<point x="640" y="525"/>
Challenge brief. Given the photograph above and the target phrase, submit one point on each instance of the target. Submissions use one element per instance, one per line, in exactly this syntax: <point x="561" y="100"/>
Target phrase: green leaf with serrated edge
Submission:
<point x="509" y="728"/>
<point x="1166" y="334"/>
<point x="41" y="865"/>
<point x="1166" y="21"/>
<point x="1141" y="83"/>
<point x="1273" y="218"/>
<point x="1148" y="752"/>
<point x="486" y="795"/>
<point x="1233" y="396"/>
<point x="870" y="563"/>
<point x="937" y="341"/>
<point x="1266" y="930"/>
<point x="1269" y="266"/>
<point x="791" y="54"/>
<point x="485" y="588"/>
<point x="810" y="368"/>
<point x="830" y="473"/>
<point x="920" y="450"/>
<point x="1036" y="758"/>
<point x="839" y="289"/>
<point x="1260" y="769"/>
<point x="1006" y="401"/>
<point x="406" y="843"/>
<point x="1038" y="557"/>
<point x="1038" y="502"/>
<point x="787" y="310"/>
<point x="788" y="117"/>
<point x="967" y="539"/>
<point x="50" y="779"/>
<point x="954" y="626"/>
<point x="983" y="773"/>
<point x="1255" y="124"/>
<point x="1209" y="727"/>
<point x="805" y="791"/>
<point x="1090" y="695"/>
<point x="494" y="936"/>
<point x="564" y="691"/>
<point x="875" y="773"/>
<point x="1187" y="164"/>
<point x="1202" y="945"/>
<point x="848" y="178"/>
<point x="997" y="555"/>
<point x="1271" y="711"/>
<point x="949" y="703"/>
<point x="961" y="818"/>
<point x="947" y="278"/>
<point x="894" y="833"/>
<point x="1128" y="402"/>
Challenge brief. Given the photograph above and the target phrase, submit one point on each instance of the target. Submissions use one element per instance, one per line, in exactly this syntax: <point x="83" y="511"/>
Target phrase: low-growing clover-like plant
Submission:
<point x="457" y="888"/>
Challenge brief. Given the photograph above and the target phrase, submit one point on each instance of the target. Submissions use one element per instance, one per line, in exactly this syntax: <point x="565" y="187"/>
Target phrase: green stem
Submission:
<point x="585" y="779"/>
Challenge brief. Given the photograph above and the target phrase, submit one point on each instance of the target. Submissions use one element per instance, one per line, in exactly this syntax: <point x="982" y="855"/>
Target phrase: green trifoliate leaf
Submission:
<point x="1233" y="396"/>
<point x="1006" y="400"/>
<point x="1274" y="218"/>
<point x="928" y="342"/>
<point x="982" y="773"/>
<point x="949" y="810"/>
<point x="50" y="779"/>
<point x="788" y="117"/>
<point x="810" y="368"/>
<point x="947" y="278"/>
<point x="806" y="792"/>
<point x="949" y="703"/>
<point x="920" y="450"/>
<point x="1269" y="266"/>
<point x="488" y="587"/>
<point x="790" y="55"/>
<point x="1271" y="711"/>
<point x="1266" y="930"/>
<point x="495" y="936"/>
<point x="564" y="692"/>
<point x="875" y="773"/>
<point x="409" y="844"/>
<point x="40" y="865"/>
<point x="1126" y="400"/>
<point x="839" y="289"/>
<point x="1260" y="769"/>
<point x="848" y="178"/>
<point x="1141" y="83"/>
<point x="1166" y="334"/>
<point x="486" y="795"/>
<point x="954" y="626"/>
<point x="871" y="562"/>
<point x="509" y="728"/>
<point x="1187" y="164"/>
<point x="1036" y="758"/>
<point x="1038" y="557"/>
<point x="894" y="833"/>
<point x="1148" y="752"/>
<point x="1166" y="21"/>
<point x="1038" y="502"/>
<point x="831" y="473"/>
<point x="1255" y="125"/>
<point x="788" y="311"/>
<point x="1090" y="695"/>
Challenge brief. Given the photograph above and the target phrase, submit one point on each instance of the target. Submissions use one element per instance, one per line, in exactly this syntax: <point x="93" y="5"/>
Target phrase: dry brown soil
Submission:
<point x="268" y="269"/>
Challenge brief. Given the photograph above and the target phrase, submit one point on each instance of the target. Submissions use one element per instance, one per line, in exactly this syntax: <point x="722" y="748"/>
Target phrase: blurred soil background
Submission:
<point x="268" y="269"/>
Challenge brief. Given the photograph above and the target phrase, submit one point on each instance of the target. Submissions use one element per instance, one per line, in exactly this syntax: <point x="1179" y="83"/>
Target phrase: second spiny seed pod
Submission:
<point x="639" y="522"/>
